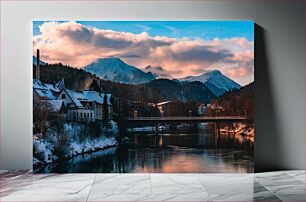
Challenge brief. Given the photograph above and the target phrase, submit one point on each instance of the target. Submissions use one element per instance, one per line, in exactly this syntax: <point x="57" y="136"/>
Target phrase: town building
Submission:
<point x="201" y="109"/>
<point x="164" y="107"/>
<point x="84" y="105"/>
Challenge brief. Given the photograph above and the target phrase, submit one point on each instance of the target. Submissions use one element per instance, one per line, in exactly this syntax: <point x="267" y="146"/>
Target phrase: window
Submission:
<point x="90" y="115"/>
<point x="81" y="114"/>
<point x="63" y="96"/>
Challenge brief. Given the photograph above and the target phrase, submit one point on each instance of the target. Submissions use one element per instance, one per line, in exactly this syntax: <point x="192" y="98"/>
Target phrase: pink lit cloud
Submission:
<point x="77" y="45"/>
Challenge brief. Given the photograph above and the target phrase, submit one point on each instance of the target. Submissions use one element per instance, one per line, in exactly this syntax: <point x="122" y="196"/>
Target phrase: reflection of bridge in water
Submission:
<point x="188" y="119"/>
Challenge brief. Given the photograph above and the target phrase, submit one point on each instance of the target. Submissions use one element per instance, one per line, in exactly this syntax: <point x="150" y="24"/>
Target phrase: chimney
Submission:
<point x="37" y="65"/>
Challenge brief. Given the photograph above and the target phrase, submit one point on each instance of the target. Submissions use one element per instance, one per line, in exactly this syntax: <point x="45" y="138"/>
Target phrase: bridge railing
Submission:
<point x="187" y="118"/>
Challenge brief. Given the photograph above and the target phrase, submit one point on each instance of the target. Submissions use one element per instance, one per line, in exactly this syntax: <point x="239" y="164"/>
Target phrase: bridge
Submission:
<point x="187" y="119"/>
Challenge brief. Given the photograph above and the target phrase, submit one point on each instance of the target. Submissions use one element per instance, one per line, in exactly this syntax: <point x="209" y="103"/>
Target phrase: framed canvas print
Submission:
<point x="143" y="96"/>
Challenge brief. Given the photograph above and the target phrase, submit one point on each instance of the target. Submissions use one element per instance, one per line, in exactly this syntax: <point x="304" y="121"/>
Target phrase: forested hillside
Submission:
<point x="76" y="79"/>
<point x="154" y="91"/>
<point x="237" y="102"/>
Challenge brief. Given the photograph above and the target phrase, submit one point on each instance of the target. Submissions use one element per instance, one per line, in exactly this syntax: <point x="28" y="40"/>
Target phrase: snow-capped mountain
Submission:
<point x="35" y="61"/>
<point x="216" y="82"/>
<point x="114" y="69"/>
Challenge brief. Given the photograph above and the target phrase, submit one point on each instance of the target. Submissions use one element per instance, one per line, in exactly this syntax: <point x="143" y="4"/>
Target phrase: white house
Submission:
<point x="84" y="105"/>
<point x="201" y="109"/>
<point x="80" y="105"/>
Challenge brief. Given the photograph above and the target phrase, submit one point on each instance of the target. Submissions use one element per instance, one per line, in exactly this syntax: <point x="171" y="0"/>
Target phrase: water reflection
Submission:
<point x="181" y="151"/>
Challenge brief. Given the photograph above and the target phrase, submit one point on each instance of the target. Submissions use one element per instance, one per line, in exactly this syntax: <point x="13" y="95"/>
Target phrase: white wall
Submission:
<point x="280" y="73"/>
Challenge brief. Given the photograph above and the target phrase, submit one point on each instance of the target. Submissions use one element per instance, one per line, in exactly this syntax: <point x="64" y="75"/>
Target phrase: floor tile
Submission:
<point x="245" y="198"/>
<point x="43" y="198"/>
<point x="149" y="198"/>
<point x="3" y="171"/>
<point x="230" y="197"/>
<point x="298" y="175"/>
<point x="16" y="180"/>
<point x="292" y="197"/>
<point x="287" y="186"/>
<point x="259" y="189"/>
<point x="281" y="183"/>
<point x="42" y="184"/>
<point x="116" y="184"/>
<point x="219" y="184"/>
<point x="266" y="198"/>
<point x="176" y="184"/>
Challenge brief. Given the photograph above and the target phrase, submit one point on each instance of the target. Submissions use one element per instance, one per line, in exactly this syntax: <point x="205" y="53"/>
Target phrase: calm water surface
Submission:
<point x="181" y="151"/>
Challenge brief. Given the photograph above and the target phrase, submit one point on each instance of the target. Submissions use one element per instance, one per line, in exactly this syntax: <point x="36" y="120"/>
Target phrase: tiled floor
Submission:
<point x="273" y="186"/>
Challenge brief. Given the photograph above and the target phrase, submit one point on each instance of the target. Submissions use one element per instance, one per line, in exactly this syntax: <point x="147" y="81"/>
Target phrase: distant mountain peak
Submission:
<point x="114" y="69"/>
<point x="110" y="59"/>
<point x="149" y="72"/>
<point x="217" y="82"/>
<point x="216" y="71"/>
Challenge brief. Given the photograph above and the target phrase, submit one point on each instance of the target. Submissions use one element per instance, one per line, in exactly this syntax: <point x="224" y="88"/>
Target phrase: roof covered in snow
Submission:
<point x="53" y="105"/>
<point x="163" y="103"/>
<point x="38" y="84"/>
<point x="79" y="97"/>
<point x="45" y="93"/>
<point x="97" y="97"/>
<point x="47" y="90"/>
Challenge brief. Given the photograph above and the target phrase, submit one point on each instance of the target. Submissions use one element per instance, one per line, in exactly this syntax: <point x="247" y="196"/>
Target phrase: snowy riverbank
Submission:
<point x="75" y="140"/>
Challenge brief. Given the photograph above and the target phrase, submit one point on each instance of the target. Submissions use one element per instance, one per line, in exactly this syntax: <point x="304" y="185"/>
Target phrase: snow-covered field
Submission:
<point x="91" y="145"/>
<point x="77" y="142"/>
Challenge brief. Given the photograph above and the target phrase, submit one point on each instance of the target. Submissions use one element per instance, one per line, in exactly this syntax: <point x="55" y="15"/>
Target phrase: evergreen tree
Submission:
<point x="105" y="119"/>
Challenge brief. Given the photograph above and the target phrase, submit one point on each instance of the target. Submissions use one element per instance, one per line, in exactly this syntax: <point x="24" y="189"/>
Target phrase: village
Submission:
<point x="87" y="105"/>
<point x="70" y="122"/>
<point x="73" y="105"/>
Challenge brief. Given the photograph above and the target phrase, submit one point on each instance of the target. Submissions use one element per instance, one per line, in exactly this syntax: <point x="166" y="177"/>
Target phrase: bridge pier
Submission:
<point x="156" y="129"/>
<point x="218" y="133"/>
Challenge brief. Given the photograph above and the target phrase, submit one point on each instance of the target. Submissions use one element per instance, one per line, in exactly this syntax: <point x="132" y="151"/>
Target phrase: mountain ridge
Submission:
<point x="217" y="82"/>
<point x="114" y="69"/>
<point x="173" y="90"/>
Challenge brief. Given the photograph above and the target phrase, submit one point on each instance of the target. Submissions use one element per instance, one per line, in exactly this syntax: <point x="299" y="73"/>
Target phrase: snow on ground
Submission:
<point x="76" y="145"/>
<point x="114" y="127"/>
<point x="91" y="145"/>
<point x="239" y="129"/>
<point x="43" y="149"/>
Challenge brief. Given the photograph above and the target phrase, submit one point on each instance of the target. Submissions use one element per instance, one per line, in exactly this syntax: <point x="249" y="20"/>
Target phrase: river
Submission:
<point x="181" y="151"/>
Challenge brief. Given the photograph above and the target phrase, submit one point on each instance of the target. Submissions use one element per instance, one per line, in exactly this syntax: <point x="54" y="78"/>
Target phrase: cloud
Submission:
<point x="78" y="45"/>
<point x="144" y="27"/>
<point x="128" y="56"/>
<point x="158" y="71"/>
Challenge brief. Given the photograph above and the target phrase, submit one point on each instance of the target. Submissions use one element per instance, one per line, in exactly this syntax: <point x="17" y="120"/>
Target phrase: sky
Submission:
<point x="169" y="49"/>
